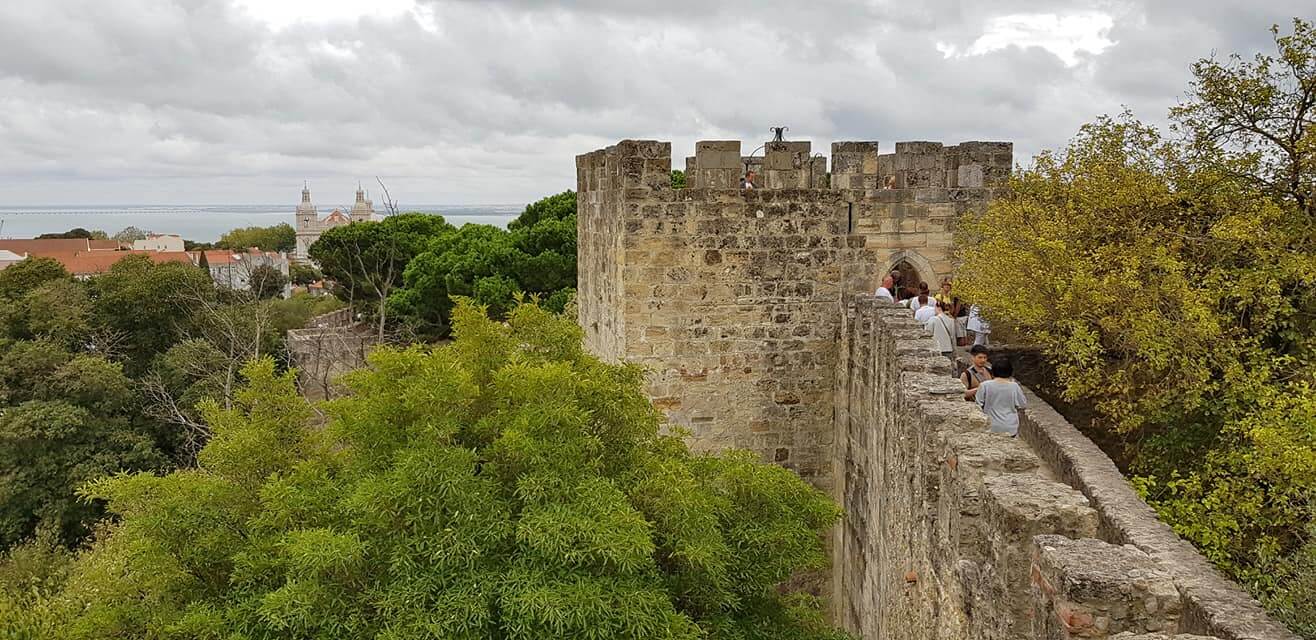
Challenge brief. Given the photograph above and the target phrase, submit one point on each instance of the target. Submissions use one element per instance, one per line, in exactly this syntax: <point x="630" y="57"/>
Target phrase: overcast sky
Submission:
<point x="489" y="101"/>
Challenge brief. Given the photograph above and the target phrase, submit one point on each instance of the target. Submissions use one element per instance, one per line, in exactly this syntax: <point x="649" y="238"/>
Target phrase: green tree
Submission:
<point x="58" y="310"/>
<point x="1169" y="282"/>
<point x="267" y="282"/>
<point x="129" y="234"/>
<point x="678" y="179"/>
<point x="29" y="576"/>
<point x="76" y="232"/>
<point x="152" y="305"/>
<point x="508" y="485"/>
<point x="76" y="426"/>
<point x="555" y="207"/>
<point x="473" y="261"/>
<point x="304" y="274"/>
<point x="366" y="260"/>
<point x="537" y="256"/>
<point x="280" y="237"/>
<point x="17" y="279"/>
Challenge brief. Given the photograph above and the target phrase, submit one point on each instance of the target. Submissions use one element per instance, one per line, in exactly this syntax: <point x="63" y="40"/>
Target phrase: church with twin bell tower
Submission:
<point x="310" y="225"/>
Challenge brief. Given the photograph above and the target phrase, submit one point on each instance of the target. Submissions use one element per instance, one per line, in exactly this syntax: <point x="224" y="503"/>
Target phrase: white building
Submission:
<point x="159" y="242"/>
<point x="9" y="257"/>
<point x="310" y="225"/>
<point x="232" y="269"/>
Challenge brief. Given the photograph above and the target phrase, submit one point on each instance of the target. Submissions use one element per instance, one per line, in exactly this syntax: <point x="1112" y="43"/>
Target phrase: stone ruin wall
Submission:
<point x="954" y="532"/>
<point x="330" y="345"/>
<point x="730" y="296"/>
<point x="750" y="310"/>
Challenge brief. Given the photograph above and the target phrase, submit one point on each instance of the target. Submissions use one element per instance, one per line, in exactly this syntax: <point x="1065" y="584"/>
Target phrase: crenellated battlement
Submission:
<point x="855" y="166"/>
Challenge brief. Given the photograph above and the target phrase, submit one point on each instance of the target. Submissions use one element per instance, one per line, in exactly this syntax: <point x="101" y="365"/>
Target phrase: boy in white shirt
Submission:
<point x="1001" y="398"/>
<point x="924" y="308"/>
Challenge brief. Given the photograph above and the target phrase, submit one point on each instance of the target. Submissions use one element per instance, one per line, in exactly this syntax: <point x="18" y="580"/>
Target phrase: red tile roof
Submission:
<point x="47" y="246"/>
<point x="336" y="217"/>
<point x="85" y="263"/>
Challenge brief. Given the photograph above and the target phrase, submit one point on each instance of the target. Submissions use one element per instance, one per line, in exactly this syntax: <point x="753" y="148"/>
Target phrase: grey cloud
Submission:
<point x="197" y="100"/>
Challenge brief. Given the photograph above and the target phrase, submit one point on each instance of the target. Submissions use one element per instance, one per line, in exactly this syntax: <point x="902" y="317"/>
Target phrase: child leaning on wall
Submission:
<point x="1001" y="398"/>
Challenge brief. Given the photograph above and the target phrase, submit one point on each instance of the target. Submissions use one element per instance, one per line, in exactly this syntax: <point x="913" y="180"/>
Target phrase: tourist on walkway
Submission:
<point x="944" y="295"/>
<point x="1001" y="398"/>
<point x="978" y="372"/>
<point x="920" y="299"/>
<point x="979" y="327"/>
<point x="942" y="326"/>
<point x="748" y="182"/>
<point x="924" y="307"/>
<point x="884" y="292"/>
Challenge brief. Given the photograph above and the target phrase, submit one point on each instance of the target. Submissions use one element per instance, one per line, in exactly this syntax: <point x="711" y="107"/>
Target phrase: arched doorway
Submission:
<point x="913" y="269"/>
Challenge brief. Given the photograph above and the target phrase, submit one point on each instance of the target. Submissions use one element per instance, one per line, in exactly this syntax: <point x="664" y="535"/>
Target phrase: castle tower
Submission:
<point x="363" y="209"/>
<point x="732" y="298"/>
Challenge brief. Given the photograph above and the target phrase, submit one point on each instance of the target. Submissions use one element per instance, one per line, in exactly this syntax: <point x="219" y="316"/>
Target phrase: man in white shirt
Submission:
<point x="884" y="291"/>
<point x="924" y="308"/>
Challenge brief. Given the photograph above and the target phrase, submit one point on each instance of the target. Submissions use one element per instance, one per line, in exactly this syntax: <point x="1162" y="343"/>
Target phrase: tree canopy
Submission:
<point x="506" y="485"/>
<point x="366" y="260"/>
<point x="103" y="376"/>
<point x="536" y="256"/>
<point x="266" y="282"/>
<point x="280" y="237"/>
<point x="76" y="232"/>
<point x="1169" y="280"/>
<point x="130" y="233"/>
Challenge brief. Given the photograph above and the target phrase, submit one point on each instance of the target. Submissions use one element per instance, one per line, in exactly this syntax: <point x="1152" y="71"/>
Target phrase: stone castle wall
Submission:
<point x="750" y="310"/>
<point x="954" y="532"/>
<point x="730" y="295"/>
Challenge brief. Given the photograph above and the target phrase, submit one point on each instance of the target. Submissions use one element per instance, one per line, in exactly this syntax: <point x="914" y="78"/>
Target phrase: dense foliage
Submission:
<point x="507" y="485"/>
<point x="76" y="232"/>
<point x="267" y="282"/>
<point x="535" y="256"/>
<point x="280" y="237"/>
<point x="366" y="260"/>
<point x="104" y="376"/>
<point x="130" y="233"/>
<point x="303" y="274"/>
<point x="403" y="272"/>
<point x="1171" y="282"/>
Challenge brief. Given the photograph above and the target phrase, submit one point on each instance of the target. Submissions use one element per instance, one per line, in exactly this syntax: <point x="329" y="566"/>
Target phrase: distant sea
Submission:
<point x="205" y="223"/>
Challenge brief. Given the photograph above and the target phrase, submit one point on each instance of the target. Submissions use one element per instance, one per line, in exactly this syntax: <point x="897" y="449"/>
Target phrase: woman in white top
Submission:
<point x="942" y="327"/>
<point x="980" y="328"/>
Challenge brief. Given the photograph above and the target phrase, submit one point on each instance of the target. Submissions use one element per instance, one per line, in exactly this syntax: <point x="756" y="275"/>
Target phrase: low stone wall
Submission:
<point x="954" y="532"/>
<point x="330" y="345"/>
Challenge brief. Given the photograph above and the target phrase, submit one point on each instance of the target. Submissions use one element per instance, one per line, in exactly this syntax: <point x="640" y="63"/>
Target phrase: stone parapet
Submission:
<point x="1212" y="604"/>
<point x="954" y="532"/>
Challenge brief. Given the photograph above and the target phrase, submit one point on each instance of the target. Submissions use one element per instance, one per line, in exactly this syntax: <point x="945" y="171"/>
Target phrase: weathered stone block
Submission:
<point x="1092" y="589"/>
<point x="1016" y="508"/>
